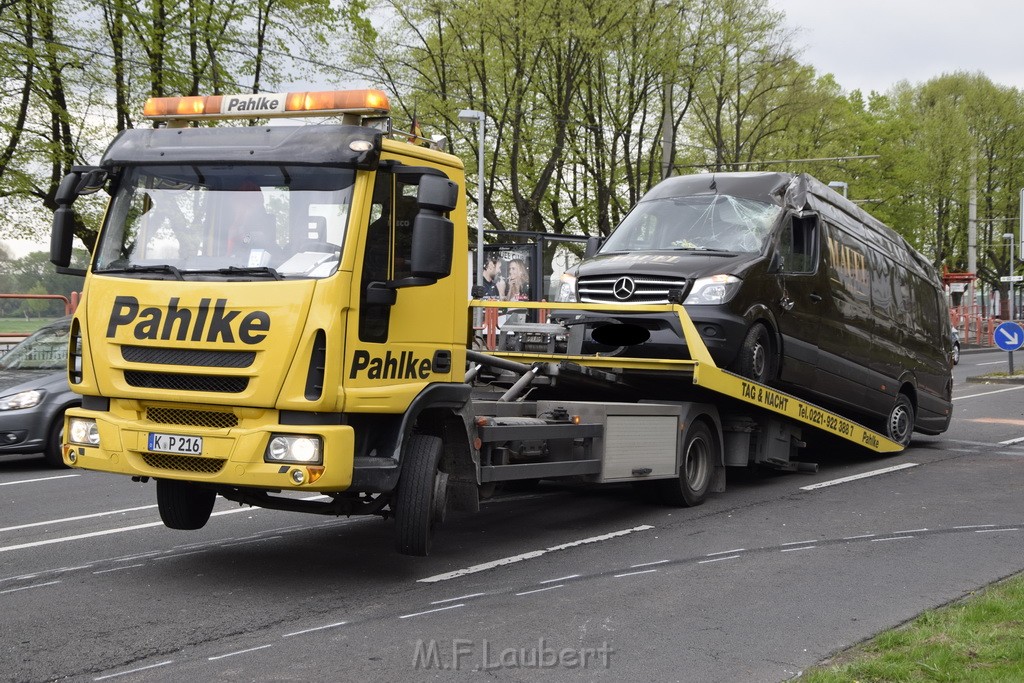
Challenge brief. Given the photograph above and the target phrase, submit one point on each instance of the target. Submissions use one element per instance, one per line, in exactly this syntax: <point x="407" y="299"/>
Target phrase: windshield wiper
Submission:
<point x="707" y="250"/>
<point x="159" y="268"/>
<point x="256" y="270"/>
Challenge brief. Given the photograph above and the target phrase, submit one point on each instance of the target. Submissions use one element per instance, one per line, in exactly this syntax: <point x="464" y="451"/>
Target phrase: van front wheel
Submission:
<point x="756" y="359"/>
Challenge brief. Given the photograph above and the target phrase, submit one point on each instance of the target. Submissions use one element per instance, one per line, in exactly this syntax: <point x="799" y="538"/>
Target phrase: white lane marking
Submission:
<point x="105" y="532"/>
<point x="463" y="597"/>
<point x="718" y="559"/>
<point x="315" y="628"/>
<point x="726" y="552"/>
<point x="646" y="571"/>
<point x="75" y="519"/>
<point x="813" y="540"/>
<point x="1011" y="442"/>
<point x="562" y="578"/>
<point x="132" y="671"/>
<point x="647" y="564"/>
<point x="431" y="611"/>
<point x="988" y="393"/>
<point x="25" y="588"/>
<point x="541" y="590"/>
<point x="232" y="544"/>
<point x="989" y="531"/>
<point x="240" y="652"/>
<point x="793" y="550"/>
<point x="118" y="569"/>
<point x="177" y="555"/>
<point x="891" y="538"/>
<point x="853" y="538"/>
<point x="975" y="526"/>
<point x="530" y="555"/>
<point x="32" y="481"/>
<point x="862" y="475"/>
<point x="910" y="531"/>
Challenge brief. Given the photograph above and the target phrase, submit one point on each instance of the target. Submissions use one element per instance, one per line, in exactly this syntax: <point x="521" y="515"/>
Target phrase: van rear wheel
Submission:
<point x="900" y="425"/>
<point x="756" y="359"/>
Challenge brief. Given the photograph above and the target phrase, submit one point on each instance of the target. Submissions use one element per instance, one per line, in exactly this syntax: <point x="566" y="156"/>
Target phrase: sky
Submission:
<point x="873" y="44"/>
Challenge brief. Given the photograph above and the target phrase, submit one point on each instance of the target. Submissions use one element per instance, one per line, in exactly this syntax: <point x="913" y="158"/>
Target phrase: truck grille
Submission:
<point x="199" y="358"/>
<point x="630" y="289"/>
<point x="220" y="384"/>
<point x="183" y="463"/>
<point x="192" y="418"/>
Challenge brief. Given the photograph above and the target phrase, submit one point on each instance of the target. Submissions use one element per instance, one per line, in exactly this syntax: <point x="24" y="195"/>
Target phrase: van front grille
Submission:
<point x="629" y="289"/>
<point x="192" y="418"/>
<point x="183" y="463"/>
<point x="181" y="382"/>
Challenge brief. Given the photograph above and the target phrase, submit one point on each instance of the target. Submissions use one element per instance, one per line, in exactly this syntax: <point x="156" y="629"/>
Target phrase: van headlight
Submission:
<point x="567" y="288"/>
<point x="83" y="431"/>
<point x="22" y="399"/>
<point x="717" y="289"/>
<point x="294" y="448"/>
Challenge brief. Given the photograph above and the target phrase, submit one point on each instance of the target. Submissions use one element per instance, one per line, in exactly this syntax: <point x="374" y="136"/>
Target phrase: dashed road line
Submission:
<point x="541" y="590"/>
<point x="134" y="671"/>
<point x="239" y="652"/>
<point x="855" y="477"/>
<point x="719" y="559"/>
<point x="645" y="571"/>
<point x="432" y="611"/>
<point x="33" y="481"/>
<point x="314" y="629"/>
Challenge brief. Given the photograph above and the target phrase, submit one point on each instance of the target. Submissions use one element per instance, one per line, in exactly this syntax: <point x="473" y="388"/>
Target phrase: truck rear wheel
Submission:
<point x="184" y="505"/>
<point x="420" y="499"/>
<point x="695" y="470"/>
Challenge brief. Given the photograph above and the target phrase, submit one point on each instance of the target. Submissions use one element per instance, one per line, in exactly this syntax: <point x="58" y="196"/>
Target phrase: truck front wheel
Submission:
<point x="420" y="499"/>
<point x="184" y="505"/>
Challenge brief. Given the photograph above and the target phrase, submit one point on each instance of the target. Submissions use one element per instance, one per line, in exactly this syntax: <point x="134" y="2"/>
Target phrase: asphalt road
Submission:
<point x="570" y="584"/>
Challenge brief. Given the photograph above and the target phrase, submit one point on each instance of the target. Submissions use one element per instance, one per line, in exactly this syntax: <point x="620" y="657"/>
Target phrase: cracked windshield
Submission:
<point x="701" y="223"/>
<point x="264" y="221"/>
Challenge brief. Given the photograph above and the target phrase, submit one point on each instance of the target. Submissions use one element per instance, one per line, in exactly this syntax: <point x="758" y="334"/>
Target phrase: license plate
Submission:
<point x="175" y="443"/>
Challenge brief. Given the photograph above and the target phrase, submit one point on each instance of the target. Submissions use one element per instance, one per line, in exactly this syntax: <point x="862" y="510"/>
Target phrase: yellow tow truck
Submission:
<point x="279" y="315"/>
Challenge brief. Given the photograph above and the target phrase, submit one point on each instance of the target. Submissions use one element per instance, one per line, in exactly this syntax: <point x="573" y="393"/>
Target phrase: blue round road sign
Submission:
<point x="1008" y="336"/>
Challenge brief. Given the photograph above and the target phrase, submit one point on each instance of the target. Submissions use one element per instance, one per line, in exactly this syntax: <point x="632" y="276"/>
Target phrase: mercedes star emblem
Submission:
<point x="624" y="288"/>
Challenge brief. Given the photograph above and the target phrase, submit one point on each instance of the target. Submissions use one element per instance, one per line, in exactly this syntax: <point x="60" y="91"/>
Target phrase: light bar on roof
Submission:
<point x="268" y="105"/>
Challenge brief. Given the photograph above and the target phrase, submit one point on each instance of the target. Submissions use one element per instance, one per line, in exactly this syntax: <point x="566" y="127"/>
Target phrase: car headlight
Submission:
<point x="22" y="399"/>
<point x="303" y="449"/>
<point x="567" y="289"/>
<point x="716" y="289"/>
<point x="83" y="431"/>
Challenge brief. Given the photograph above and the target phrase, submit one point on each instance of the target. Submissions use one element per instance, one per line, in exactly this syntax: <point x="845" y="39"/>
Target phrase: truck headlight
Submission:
<point x="83" y="431"/>
<point x="22" y="399"/>
<point x="716" y="289"/>
<point x="295" y="448"/>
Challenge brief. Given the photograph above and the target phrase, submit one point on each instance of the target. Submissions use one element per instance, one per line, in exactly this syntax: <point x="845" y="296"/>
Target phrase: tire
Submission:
<point x="184" y="505"/>
<point x="420" y="499"/>
<point x="899" y="426"/>
<point x="695" y="471"/>
<point x="756" y="359"/>
<point x="54" y="441"/>
<point x="956" y="354"/>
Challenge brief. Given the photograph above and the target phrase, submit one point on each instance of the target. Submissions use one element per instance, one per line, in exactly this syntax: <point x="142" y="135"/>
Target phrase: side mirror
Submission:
<point x="433" y="234"/>
<point x="437" y="193"/>
<point x="80" y="180"/>
<point x="593" y="243"/>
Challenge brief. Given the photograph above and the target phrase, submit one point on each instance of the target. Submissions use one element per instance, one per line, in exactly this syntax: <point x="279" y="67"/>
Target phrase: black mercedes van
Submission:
<point x="788" y="283"/>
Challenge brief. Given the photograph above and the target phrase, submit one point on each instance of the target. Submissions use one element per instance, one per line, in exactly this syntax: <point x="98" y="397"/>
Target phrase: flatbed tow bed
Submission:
<point x="743" y="422"/>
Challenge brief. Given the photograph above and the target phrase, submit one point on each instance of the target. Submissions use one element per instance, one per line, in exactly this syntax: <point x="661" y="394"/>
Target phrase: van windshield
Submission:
<point x="183" y="221"/>
<point x="700" y="222"/>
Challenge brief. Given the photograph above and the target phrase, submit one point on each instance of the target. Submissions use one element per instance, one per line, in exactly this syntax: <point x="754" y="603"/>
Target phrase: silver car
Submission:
<point x="34" y="393"/>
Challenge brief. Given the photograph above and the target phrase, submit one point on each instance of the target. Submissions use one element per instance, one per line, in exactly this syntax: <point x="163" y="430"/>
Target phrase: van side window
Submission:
<point x="798" y="245"/>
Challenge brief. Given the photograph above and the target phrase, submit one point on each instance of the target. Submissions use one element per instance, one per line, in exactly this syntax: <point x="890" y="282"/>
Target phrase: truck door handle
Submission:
<point x="815" y="297"/>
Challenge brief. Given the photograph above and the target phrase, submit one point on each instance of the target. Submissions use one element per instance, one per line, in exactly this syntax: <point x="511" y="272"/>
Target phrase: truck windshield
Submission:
<point x="709" y="222"/>
<point x="177" y="222"/>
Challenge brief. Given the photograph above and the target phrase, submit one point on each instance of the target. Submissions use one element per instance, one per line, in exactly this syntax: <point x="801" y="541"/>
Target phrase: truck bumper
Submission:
<point x="231" y="456"/>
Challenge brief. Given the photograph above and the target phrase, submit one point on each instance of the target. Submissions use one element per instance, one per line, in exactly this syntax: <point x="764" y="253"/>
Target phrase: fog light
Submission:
<point x="83" y="431"/>
<point x="295" y="448"/>
<point x="297" y="476"/>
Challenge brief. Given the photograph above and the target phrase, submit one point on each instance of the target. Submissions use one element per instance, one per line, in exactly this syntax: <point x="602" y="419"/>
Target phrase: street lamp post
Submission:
<point x="1009" y="236"/>
<point x="469" y="116"/>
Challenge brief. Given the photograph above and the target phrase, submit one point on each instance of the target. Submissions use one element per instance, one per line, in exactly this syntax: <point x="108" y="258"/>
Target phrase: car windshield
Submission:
<point x="177" y="222"/>
<point x="710" y="222"/>
<point x="46" y="349"/>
